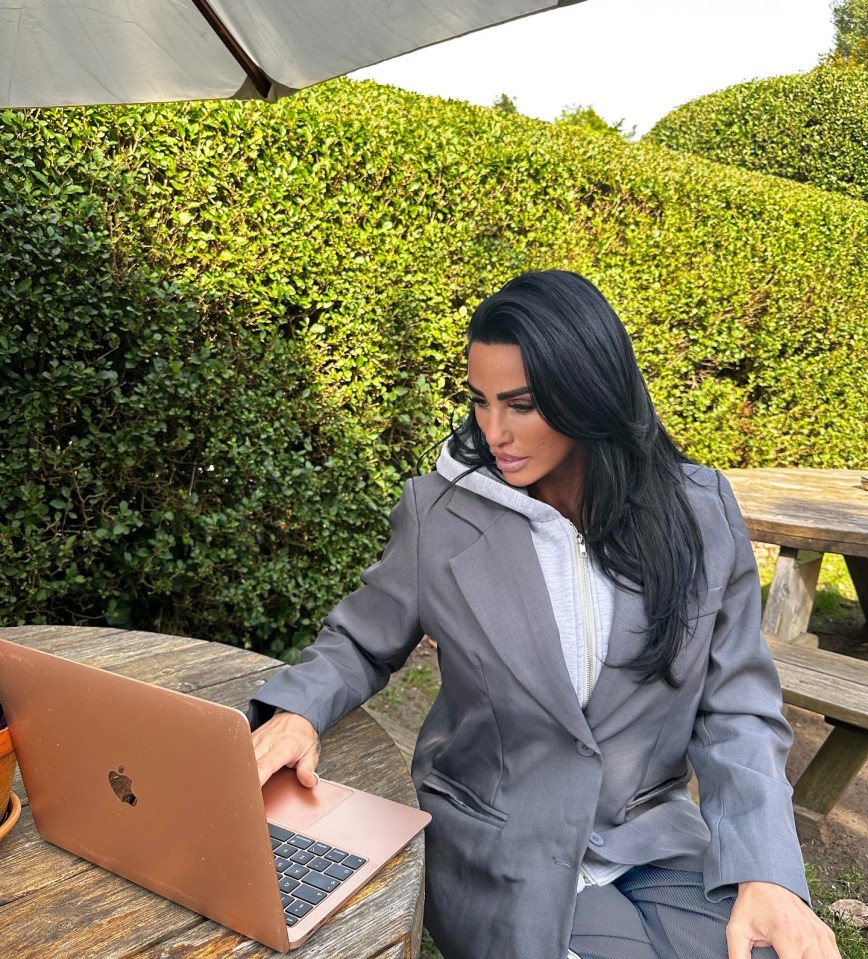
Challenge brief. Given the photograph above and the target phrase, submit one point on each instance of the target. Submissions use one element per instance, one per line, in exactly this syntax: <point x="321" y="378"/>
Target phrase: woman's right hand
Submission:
<point x="287" y="739"/>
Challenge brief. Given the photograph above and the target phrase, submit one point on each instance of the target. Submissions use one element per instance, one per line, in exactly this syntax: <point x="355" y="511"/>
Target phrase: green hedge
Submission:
<point x="229" y="330"/>
<point x="811" y="127"/>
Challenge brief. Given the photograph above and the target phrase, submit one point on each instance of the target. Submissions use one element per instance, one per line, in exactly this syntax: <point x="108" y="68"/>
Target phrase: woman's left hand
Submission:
<point x="765" y="914"/>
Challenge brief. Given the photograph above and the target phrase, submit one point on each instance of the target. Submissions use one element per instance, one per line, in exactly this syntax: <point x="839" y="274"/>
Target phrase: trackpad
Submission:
<point x="296" y="807"/>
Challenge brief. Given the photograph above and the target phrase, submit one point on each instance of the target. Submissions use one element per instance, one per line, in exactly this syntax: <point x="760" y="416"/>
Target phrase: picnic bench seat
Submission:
<point x="836" y="686"/>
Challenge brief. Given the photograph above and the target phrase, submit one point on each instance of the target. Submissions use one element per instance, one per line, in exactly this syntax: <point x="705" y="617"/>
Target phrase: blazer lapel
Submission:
<point x="616" y="684"/>
<point x="500" y="578"/>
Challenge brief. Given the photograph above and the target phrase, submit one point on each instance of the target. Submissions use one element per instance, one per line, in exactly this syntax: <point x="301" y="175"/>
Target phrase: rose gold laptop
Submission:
<point x="161" y="788"/>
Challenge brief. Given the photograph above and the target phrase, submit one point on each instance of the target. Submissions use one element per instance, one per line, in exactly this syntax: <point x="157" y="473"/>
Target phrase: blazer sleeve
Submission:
<point x="741" y="740"/>
<point x="365" y="638"/>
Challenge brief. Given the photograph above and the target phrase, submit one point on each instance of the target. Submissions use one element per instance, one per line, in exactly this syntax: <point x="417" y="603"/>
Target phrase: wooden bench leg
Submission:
<point x="857" y="566"/>
<point x="829" y="773"/>
<point x="791" y="595"/>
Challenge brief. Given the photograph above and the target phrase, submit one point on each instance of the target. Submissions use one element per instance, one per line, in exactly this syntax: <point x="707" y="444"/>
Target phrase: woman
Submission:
<point x="595" y="603"/>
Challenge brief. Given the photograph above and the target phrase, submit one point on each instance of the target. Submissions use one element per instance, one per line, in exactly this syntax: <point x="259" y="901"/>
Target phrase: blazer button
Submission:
<point x="596" y="839"/>
<point x="584" y="749"/>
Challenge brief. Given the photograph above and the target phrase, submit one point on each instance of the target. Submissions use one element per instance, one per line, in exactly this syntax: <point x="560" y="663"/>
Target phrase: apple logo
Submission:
<point x="122" y="786"/>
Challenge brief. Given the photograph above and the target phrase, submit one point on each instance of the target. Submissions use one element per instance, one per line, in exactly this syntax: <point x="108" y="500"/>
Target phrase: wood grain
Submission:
<point x="835" y="686"/>
<point x="824" y="510"/>
<point x="54" y="903"/>
<point x="827" y="683"/>
<point x="832" y="770"/>
<point x="791" y="594"/>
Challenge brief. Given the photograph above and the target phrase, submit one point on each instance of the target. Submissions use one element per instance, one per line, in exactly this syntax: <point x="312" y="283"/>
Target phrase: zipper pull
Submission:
<point x="582" y="548"/>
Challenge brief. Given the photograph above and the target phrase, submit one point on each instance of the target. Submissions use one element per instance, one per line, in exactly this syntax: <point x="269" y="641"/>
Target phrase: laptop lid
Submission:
<point x="161" y="788"/>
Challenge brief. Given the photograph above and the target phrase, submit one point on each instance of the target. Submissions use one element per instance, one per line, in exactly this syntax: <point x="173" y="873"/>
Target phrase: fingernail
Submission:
<point x="317" y="779"/>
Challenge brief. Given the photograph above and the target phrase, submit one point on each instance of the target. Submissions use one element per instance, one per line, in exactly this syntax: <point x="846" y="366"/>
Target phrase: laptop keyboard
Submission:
<point x="307" y="870"/>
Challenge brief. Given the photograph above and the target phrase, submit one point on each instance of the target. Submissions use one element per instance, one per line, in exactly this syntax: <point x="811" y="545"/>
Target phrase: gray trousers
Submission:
<point x="652" y="912"/>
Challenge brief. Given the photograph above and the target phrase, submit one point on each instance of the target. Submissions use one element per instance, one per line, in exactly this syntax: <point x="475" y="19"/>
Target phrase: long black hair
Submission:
<point x="586" y="383"/>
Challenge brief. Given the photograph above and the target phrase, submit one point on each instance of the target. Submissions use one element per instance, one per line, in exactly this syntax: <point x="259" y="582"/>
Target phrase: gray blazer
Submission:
<point x="518" y="779"/>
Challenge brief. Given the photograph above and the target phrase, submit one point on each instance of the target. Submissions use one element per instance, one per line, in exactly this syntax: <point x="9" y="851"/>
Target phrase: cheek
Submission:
<point x="555" y="445"/>
<point x="546" y="438"/>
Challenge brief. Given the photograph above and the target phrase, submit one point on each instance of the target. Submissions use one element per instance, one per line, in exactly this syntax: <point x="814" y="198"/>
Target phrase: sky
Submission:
<point x="631" y="60"/>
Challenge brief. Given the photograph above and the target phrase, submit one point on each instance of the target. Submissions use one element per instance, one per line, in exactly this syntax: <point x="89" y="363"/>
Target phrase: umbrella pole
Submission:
<point x="257" y="77"/>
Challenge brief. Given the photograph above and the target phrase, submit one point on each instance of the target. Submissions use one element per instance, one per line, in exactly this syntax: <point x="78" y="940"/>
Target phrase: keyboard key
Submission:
<point x="286" y="900"/>
<point x="309" y="894"/>
<point x="319" y="864"/>
<point x="296" y="872"/>
<point x="336" y="855"/>
<point x="321" y="882"/>
<point x="277" y="842"/>
<point x="289" y="885"/>
<point x="353" y="862"/>
<point x="284" y="850"/>
<point x="319" y="848"/>
<point x="290" y="920"/>
<point x="302" y="857"/>
<point x="300" y="842"/>
<point x="280" y="864"/>
<point x="298" y="909"/>
<point x="278" y="832"/>
<point x="338" y="872"/>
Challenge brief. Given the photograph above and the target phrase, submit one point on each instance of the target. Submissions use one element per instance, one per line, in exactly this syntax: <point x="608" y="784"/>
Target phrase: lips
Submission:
<point x="509" y="464"/>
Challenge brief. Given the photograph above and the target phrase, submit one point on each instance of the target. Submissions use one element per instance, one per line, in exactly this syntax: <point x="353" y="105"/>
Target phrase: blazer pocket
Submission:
<point x="463" y="799"/>
<point x="657" y="791"/>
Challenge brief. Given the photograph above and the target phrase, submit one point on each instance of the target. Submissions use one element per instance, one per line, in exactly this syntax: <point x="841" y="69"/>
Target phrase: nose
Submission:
<point x="495" y="428"/>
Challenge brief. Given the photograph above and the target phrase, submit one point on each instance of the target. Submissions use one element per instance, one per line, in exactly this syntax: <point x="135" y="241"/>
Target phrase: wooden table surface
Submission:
<point x="54" y="904"/>
<point x="823" y="510"/>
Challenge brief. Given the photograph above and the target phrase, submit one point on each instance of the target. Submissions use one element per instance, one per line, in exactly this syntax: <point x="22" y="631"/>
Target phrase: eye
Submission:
<point x="522" y="407"/>
<point x="475" y="400"/>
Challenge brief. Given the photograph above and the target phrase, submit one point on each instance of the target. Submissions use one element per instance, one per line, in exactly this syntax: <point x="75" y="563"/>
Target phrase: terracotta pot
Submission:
<point x="7" y="770"/>
<point x="11" y="817"/>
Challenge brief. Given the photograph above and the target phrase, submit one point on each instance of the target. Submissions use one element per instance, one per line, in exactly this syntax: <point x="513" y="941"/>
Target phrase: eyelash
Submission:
<point x="517" y="407"/>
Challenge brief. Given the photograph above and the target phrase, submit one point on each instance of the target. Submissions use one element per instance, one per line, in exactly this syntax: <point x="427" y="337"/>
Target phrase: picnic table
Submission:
<point x="54" y="903"/>
<point x="809" y="512"/>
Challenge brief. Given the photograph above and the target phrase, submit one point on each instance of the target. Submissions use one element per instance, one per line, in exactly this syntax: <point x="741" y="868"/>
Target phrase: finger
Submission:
<point x="286" y="740"/>
<point x="272" y="751"/>
<point x="739" y="944"/>
<point x="270" y="758"/>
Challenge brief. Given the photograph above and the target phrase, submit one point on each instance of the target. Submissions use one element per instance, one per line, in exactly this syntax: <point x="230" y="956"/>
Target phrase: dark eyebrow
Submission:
<point x="508" y="395"/>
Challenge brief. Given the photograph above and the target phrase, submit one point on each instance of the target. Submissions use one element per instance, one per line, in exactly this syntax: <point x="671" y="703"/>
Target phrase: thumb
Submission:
<point x="305" y="768"/>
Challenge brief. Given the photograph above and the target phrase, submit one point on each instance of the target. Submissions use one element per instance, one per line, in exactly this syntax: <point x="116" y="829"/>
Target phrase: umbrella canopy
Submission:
<point x="64" y="52"/>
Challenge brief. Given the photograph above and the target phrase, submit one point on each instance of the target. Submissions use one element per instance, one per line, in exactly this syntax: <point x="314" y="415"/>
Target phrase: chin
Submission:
<point x="515" y="479"/>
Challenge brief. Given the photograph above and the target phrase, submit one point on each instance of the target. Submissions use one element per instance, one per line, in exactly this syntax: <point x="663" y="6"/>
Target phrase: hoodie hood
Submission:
<point x="487" y="484"/>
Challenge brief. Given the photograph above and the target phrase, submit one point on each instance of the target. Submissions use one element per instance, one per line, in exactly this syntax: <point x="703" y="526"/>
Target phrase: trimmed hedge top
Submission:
<point x="812" y="127"/>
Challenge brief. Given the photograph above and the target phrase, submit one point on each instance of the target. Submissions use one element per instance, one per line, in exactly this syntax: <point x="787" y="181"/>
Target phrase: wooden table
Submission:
<point x="54" y="904"/>
<point x="807" y="512"/>
<point x="810" y="512"/>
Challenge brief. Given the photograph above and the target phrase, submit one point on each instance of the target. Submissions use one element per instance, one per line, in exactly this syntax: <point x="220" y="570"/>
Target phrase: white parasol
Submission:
<point x="64" y="52"/>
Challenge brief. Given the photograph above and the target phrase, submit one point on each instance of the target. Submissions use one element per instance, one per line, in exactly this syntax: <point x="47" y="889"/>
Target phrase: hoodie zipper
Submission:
<point x="585" y="878"/>
<point x="588" y="624"/>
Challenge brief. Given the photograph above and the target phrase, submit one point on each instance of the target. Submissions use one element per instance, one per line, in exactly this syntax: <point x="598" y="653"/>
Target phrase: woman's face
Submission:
<point x="526" y="449"/>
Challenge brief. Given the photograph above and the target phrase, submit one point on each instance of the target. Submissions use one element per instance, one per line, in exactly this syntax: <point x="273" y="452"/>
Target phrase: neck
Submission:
<point x="567" y="505"/>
